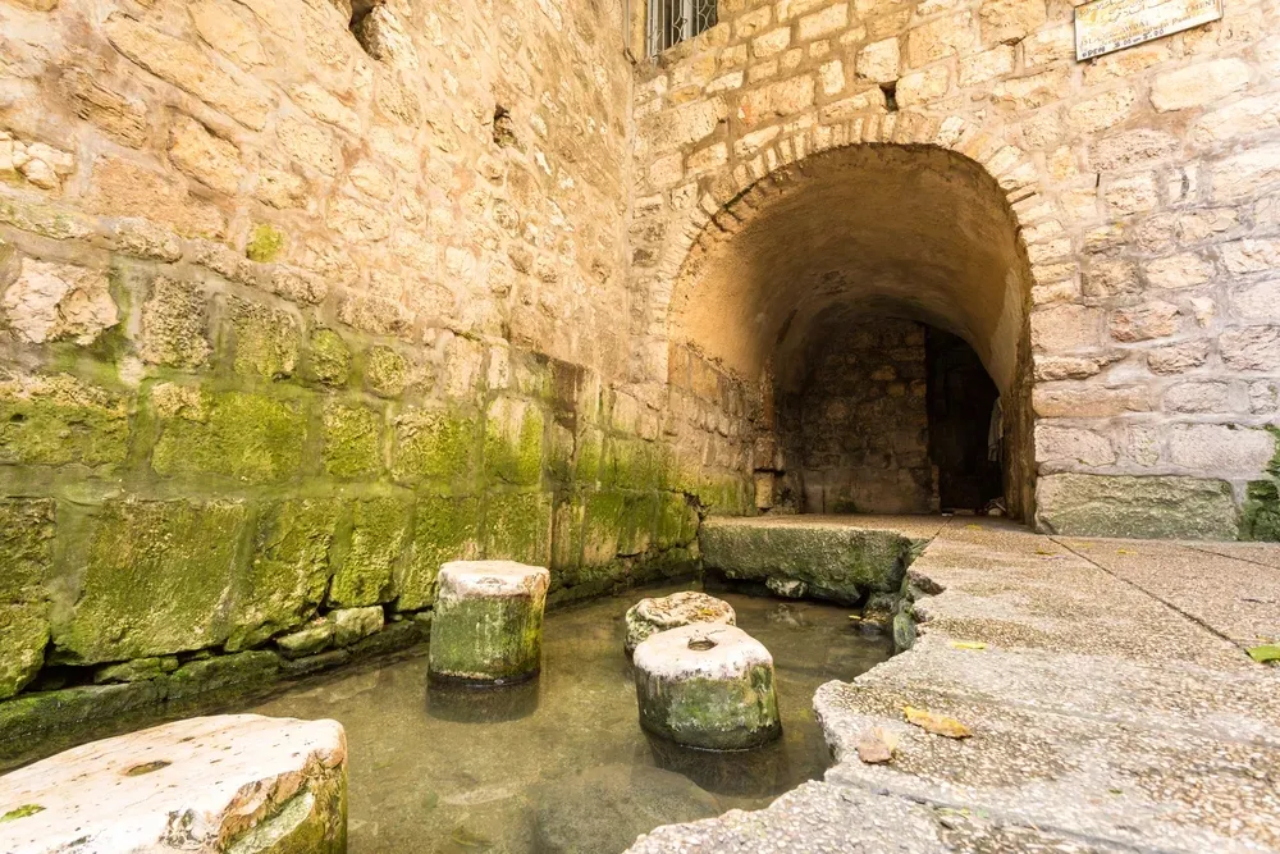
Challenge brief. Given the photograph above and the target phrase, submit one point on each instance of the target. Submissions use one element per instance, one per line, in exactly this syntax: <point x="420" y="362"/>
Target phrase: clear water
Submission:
<point x="560" y="764"/>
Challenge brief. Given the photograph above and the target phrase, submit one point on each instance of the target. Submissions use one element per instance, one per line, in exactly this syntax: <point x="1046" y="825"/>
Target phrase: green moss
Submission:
<point x="226" y="675"/>
<point x="716" y="714"/>
<point x="435" y="444"/>
<point x="602" y="528"/>
<point x="249" y="437"/>
<point x="518" y="527"/>
<point x="386" y="372"/>
<point x="267" y="341"/>
<point x="352" y="440"/>
<point x="486" y="639"/>
<point x="566" y="539"/>
<point x="590" y="452"/>
<point x="366" y="575"/>
<point x="329" y="358"/>
<point x="265" y="243"/>
<point x="639" y="514"/>
<point x="677" y="523"/>
<point x="55" y="420"/>
<point x="444" y="529"/>
<point x="21" y="812"/>
<point x="24" y="634"/>
<point x="287" y="578"/>
<point x="635" y="464"/>
<point x="513" y="442"/>
<point x="1260" y="514"/>
<point x="839" y="564"/>
<point x="157" y="579"/>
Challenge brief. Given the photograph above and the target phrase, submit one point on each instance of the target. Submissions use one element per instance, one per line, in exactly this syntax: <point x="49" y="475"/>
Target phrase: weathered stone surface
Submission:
<point x="156" y="579"/>
<point x="26" y="551"/>
<point x="49" y="302"/>
<point x="834" y="562"/>
<point x="58" y="419"/>
<point x="1114" y="506"/>
<point x="187" y="67"/>
<point x="487" y="624"/>
<point x="240" y="783"/>
<point x="707" y="686"/>
<point x="650" y="616"/>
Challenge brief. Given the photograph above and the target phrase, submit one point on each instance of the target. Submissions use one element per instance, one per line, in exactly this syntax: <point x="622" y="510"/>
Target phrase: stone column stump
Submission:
<point x="707" y="686"/>
<point x="229" y="783"/>
<point x="649" y="616"/>
<point x="487" y="623"/>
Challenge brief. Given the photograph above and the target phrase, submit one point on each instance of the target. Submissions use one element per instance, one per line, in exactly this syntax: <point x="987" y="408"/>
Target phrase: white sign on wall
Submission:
<point x="1104" y="26"/>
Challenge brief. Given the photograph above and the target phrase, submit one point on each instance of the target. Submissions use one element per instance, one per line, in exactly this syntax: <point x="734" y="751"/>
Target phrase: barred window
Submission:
<point x="673" y="21"/>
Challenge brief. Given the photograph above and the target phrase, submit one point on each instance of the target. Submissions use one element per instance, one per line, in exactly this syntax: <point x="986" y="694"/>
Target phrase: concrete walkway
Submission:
<point x="1113" y="708"/>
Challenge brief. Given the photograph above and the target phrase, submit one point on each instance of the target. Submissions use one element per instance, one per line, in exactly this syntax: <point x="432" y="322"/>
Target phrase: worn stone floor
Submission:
<point x="1113" y="707"/>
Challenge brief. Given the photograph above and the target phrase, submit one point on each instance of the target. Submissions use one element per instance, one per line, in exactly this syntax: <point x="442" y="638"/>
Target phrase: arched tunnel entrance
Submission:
<point x="873" y="301"/>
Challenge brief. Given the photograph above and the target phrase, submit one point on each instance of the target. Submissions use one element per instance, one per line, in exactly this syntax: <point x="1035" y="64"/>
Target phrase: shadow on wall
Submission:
<point x="904" y="236"/>
<point x="891" y="416"/>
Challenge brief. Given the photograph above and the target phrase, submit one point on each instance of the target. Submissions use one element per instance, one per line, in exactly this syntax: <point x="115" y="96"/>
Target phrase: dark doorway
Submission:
<point x="961" y="407"/>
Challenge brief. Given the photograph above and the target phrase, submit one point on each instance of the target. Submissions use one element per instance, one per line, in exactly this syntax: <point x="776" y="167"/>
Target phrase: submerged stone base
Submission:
<point x="241" y="784"/>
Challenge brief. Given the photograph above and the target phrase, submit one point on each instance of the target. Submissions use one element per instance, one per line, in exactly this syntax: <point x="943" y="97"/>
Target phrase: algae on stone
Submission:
<point x="289" y="573"/>
<point x="386" y="371"/>
<point x="267" y="340"/>
<point x="366" y="575"/>
<point x="487" y="622"/>
<point x="836" y="563"/>
<point x="1164" y="507"/>
<point x="518" y="527"/>
<point x="513" y="442"/>
<point x="352" y="440"/>
<point x="328" y="358"/>
<point x="444" y="529"/>
<point x="435" y="444"/>
<point x="157" y="579"/>
<point x="245" y="436"/>
<point x="55" y="420"/>
<point x="265" y="243"/>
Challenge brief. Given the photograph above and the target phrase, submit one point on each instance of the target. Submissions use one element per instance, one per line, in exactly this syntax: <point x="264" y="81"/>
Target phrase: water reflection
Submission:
<point x="442" y="769"/>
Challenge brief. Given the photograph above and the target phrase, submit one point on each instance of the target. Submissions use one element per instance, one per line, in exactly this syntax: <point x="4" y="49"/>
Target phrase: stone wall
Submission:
<point x="297" y="302"/>
<point x="856" y="432"/>
<point x="1141" y="185"/>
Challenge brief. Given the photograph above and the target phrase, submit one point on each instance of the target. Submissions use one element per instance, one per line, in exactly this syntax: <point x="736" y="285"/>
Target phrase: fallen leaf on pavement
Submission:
<point x="936" y="723"/>
<point x="876" y="745"/>
<point x="1266" y="652"/>
<point x="962" y="644"/>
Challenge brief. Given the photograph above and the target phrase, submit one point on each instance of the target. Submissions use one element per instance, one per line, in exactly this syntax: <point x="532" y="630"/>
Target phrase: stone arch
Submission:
<point x="970" y="274"/>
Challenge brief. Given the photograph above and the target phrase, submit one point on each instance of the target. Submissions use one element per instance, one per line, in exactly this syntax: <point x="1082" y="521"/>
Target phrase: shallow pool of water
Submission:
<point x="560" y="763"/>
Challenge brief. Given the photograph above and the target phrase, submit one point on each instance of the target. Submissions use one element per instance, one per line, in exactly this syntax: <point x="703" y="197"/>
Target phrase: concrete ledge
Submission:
<point x="838" y="558"/>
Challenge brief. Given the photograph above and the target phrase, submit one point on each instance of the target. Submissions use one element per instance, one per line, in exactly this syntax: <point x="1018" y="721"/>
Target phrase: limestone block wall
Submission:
<point x="856" y="432"/>
<point x="298" y="301"/>
<point x="1142" y="187"/>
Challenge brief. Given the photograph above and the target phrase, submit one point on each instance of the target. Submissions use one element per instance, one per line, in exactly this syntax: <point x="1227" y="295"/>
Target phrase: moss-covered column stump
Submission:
<point x="487" y="625"/>
<point x="707" y="686"/>
<point x="650" y="616"/>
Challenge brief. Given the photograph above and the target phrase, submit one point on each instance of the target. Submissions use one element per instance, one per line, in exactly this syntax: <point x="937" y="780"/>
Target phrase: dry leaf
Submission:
<point x="936" y="723"/>
<point x="1125" y="552"/>
<point x="876" y="745"/>
<point x="960" y="644"/>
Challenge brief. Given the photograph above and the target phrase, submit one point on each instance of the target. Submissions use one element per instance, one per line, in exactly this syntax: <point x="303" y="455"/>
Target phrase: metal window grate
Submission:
<point x="673" y="21"/>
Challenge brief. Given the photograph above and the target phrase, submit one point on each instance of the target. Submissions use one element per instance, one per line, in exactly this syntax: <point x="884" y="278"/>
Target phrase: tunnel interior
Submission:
<point x="874" y="299"/>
